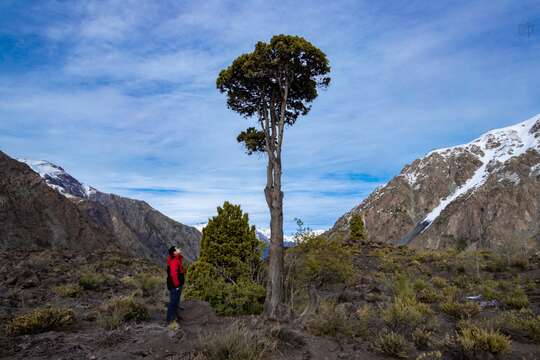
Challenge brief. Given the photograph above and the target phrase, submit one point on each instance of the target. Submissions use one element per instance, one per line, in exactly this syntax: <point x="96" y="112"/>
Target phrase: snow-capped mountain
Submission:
<point x="59" y="179"/>
<point x="133" y="224"/>
<point x="483" y="193"/>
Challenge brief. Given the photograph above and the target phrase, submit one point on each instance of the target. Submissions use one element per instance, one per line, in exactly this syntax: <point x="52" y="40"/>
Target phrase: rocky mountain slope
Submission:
<point x="125" y="223"/>
<point x="33" y="214"/>
<point x="482" y="194"/>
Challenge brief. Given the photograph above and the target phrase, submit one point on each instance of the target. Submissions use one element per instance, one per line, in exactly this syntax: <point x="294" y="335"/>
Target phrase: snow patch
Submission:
<point x="496" y="147"/>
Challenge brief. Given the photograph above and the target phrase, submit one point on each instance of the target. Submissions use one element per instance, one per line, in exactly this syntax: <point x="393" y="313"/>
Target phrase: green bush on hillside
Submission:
<point x="229" y="264"/>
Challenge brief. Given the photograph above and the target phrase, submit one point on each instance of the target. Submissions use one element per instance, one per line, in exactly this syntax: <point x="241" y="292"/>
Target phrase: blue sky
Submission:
<point x="122" y="94"/>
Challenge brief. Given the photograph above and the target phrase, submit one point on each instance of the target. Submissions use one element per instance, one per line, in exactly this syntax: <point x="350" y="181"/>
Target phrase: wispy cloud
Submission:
<point x="121" y="93"/>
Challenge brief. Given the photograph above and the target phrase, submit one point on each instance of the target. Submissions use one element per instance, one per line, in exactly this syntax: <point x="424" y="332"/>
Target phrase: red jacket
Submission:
<point x="174" y="269"/>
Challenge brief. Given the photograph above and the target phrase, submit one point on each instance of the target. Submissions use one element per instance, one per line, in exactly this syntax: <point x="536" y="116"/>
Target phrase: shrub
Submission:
<point x="356" y="229"/>
<point x="148" y="282"/>
<point x="237" y="342"/>
<point x="405" y="313"/>
<point x="68" y="290"/>
<point x="120" y="310"/>
<point x="392" y="344"/>
<point x="515" y="298"/>
<point x="92" y="280"/>
<point x="40" y="320"/>
<point x="319" y="260"/>
<point x="420" y="284"/>
<point x="422" y="338"/>
<point x="460" y="310"/>
<point x="522" y="324"/>
<point x="244" y="297"/>
<point x="439" y="282"/>
<point x="429" y="295"/>
<point x="475" y="342"/>
<point x="240" y="298"/>
<point x="225" y="274"/>
<point x="329" y="320"/>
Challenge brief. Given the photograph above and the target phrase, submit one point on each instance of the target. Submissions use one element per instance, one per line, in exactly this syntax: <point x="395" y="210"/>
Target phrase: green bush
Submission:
<point x="475" y="342"/>
<point x="237" y="342"/>
<point x="91" y="280"/>
<point x="225" y="274"/>
<point x="515" y="298"/>
<point x="460" y="310"/>
<point x="393" y="344"/>
<point x="357" y="232"/>
<point x="439" y="282"/>
<point x="321" y="261"/>
<point x="405" y="313"/>
<point x="68" y="290"/>
<point x="429" y="295"/>
<point x="122" y="309"/>
<point x="243" y="297"/>
<point x="148" y="282"/>
<point x="40" y="320"/>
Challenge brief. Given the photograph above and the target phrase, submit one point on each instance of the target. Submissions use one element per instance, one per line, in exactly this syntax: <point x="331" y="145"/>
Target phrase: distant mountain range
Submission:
<point x="483" y="194"/>
<point x="43" y="205"/>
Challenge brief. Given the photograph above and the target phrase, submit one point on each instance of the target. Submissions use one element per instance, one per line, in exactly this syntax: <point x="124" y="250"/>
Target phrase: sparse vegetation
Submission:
<point x="122" y="309"/>
<point x="68" y="290"/>
<point x="405" y="313"/>
<point x="460" y="310"/>
<point x="474" y="342"/>
<point x="40" y="320"/>
<point x="90" y="280"/>
<point x="237" y="342"/>
<point x="393" y="344"/>
<point x="330" y="320"/>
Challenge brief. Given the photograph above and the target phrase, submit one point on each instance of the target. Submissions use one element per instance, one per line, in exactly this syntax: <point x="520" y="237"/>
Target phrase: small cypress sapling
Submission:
<point x="357" y="230"/>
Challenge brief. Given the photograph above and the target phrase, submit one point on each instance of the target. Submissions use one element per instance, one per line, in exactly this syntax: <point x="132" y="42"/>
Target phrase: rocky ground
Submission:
<point x="351" y="321"/>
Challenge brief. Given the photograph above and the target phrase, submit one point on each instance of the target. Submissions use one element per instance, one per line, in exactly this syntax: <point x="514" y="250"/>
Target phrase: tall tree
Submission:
<point x="276" y="83"/>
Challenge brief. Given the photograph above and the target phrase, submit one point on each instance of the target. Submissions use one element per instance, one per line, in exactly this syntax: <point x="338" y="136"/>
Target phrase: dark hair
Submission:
<point x="172" y="249"/>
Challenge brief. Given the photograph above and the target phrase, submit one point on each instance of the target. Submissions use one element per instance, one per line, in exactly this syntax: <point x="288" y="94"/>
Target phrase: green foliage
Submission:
<point x="393" y="344"/>
<point x="460" y="310"/>
<point x="356" y="229"/>
<point x="405" y="313"/>
<point x="475" y="342"/>
<point x="122" y="309"/>
<point x="91" y="280"/>
<point x="237" y="342"/>
<point x="229" y="263"/>
<point x="40" y="320"/>
<point x="253" y="139"/>
<point x="515" y="298"/>
<point x="256" y="81"/>
<point x="439" y="282"/>
<point x="318" y="261"/>
<point x="230" y="244"/>
<point x="68" y="290"/>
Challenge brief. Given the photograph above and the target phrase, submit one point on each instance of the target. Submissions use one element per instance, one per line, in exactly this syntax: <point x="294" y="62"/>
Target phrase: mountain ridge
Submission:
<point x="132" y="224"/>
<point x="448" y="196"/>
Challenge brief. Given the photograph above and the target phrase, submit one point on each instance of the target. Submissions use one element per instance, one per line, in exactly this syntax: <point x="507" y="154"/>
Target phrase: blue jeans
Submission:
<point x="174" y="302"/>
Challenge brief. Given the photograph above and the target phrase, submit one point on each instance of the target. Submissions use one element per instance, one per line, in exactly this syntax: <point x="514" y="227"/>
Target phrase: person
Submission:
<point x="175" y="282"/>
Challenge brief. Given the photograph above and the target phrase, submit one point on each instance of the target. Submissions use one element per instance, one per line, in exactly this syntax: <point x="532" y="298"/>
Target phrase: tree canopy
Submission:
<point x="288" y="67"/>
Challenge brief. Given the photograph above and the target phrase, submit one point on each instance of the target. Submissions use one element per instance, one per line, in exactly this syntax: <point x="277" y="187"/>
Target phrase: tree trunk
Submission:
<point x="274" y="291"/>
